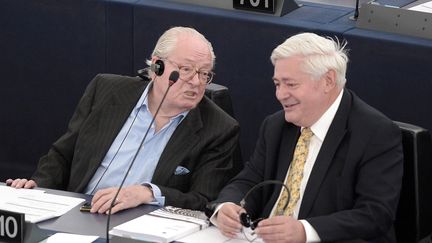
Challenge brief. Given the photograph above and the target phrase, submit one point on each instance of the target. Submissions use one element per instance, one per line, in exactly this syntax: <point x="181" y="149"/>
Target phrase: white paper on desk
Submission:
<point x="163" y="225"/>
<point x="70" y="238"/>
<point x="213" y="235"/>
<point x="154" y="229"/>
<point x="8" y="192"/>
<point x="37" y="206"/>
<point x="424" y="7"/>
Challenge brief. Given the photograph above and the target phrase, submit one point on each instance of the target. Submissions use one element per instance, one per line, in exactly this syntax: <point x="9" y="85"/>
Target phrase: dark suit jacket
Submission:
<point x="353" y="189"/>
<point x="203" y="142"/>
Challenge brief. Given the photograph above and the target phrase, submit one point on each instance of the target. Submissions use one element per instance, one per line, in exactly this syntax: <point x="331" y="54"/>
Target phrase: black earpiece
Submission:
<point x="245" y="218"/>
<point x="246" y="221"/>
<point x="158" y="67"/>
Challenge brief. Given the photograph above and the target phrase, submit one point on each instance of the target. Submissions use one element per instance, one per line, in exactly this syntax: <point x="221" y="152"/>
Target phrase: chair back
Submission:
<point x="414" y="213"/>
<point x="219" y="94"/>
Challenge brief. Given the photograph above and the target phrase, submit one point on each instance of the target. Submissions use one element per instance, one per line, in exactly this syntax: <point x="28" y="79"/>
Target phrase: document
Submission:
<point x="35" y="204"/>
<point x="70" y="238"/>
<point x="163" y="225"/>
<point x="213" y="235"/>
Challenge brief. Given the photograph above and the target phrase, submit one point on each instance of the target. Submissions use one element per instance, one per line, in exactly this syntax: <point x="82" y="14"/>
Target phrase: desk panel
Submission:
<point x="392" y="73"/>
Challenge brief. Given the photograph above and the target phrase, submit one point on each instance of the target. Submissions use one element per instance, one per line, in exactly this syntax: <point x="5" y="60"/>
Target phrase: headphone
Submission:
<point x="158" y="67"/>
<point x="245" y="218"/>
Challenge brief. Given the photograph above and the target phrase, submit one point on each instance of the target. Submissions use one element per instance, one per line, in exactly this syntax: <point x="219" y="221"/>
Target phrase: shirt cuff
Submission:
<point x="157" y="194"/>
<point x="311" y="234"/>
<point x="213" y="217"/>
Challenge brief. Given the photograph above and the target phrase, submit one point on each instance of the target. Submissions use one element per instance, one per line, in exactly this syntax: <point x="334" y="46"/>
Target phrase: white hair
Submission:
<point x="168" y="42"/>
<point x="321" y="54"/>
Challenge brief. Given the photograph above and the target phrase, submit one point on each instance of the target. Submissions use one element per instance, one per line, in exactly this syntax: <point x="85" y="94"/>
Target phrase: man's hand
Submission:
<point x="228" y="219"/>
<point x="129" y="197"/>
<point x="281" y="229"/>
<point x="21" y="183"/>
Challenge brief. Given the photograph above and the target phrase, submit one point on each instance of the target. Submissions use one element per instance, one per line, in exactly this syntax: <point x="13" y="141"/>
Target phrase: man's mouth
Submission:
<point x="191" y="94"/>
<point x="289" y="106"/>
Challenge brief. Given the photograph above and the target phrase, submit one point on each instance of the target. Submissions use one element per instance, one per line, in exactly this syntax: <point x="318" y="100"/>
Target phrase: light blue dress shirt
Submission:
<point x="122" y="150"/>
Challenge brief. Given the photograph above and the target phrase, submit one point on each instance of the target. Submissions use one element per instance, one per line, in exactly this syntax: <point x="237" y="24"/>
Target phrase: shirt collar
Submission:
<point x="321" y="127"/>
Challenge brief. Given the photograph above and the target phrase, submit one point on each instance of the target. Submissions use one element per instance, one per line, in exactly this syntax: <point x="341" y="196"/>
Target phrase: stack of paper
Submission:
<point x="163" y="225"/>
<point x="35" y="204"/>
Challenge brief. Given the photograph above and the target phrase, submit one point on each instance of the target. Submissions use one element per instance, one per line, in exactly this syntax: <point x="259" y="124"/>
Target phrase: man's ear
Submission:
<point x="330" y="80"/>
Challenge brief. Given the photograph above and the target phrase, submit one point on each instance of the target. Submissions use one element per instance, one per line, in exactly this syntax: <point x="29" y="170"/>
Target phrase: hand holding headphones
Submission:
<point x="245" y="218"/>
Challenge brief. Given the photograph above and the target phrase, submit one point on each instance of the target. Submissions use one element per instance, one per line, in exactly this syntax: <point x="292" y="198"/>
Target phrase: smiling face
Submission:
<point x="185" y="94"/>
<point x="303" y="99"/>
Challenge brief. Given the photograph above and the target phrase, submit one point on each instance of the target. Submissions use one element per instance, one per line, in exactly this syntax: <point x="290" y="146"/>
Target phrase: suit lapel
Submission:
<point x="181" y="142"/>
<point x="289" y="139"/>
<point x="325" y="156"/>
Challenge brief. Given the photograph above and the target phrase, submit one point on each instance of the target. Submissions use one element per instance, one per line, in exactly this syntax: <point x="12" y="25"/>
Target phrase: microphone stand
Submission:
<point x="172" y="79"/>
<point x="356" y="12"/>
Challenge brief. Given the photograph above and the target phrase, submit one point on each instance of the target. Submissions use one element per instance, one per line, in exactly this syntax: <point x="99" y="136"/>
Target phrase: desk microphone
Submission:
<point x="356" y="12"/>
<point x="174" y="76"/>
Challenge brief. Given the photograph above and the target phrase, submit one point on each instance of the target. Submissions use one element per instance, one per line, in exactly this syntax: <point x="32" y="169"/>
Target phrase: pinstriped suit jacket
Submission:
<point x="203" y="143"/>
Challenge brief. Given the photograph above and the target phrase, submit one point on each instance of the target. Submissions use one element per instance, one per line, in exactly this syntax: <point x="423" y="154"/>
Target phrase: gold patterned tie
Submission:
<point x="295" y="174"/>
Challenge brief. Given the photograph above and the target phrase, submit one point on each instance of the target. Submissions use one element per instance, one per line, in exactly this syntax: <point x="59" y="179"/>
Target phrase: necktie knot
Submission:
<point x="306" y="134"/>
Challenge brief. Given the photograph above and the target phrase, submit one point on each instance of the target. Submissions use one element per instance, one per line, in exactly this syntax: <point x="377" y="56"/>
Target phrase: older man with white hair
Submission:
<point x="187" y="156"/>
<point x="340" y="159"/>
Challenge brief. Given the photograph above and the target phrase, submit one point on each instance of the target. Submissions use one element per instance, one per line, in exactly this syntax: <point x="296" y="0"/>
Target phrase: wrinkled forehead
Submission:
<point x="192" y="50"/>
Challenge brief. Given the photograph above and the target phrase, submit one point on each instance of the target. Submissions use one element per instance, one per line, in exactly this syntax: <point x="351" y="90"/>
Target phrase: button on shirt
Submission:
<point x="124" y="147"/>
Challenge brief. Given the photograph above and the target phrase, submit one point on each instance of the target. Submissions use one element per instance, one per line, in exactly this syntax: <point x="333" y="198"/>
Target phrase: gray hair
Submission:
<point x="168" y="41"/>
<point x="321" y="54"/>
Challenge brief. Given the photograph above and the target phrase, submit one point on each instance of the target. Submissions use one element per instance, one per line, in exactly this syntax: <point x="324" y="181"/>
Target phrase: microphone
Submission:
<point x="356" y="12"/>
<point x="174" y="76"/>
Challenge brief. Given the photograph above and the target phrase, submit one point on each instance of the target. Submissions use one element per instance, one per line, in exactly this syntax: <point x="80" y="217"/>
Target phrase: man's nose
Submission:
<point x="195" y="79"/>
<point x="283" y="92"/>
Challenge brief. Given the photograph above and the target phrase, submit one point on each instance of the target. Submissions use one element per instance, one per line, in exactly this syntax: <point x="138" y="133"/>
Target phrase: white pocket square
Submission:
<point x="180" y="170"/>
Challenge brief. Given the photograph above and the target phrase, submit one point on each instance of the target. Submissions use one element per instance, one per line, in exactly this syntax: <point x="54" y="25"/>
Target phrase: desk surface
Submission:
<point x="77" y="222"/>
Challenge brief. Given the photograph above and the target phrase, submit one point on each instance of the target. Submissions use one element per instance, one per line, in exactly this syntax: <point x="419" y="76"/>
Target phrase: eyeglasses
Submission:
<point x="187" y="72"/>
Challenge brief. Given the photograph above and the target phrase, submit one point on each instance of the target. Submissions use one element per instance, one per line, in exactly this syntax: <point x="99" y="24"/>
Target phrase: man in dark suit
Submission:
<point x="187" y="156"/>
<point x="344" y="178"/>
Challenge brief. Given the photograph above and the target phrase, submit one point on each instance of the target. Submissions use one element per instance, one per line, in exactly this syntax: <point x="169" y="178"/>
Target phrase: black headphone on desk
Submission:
<point x="245" y="218"/>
